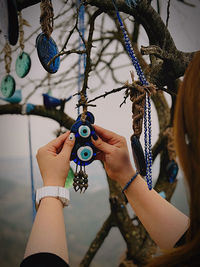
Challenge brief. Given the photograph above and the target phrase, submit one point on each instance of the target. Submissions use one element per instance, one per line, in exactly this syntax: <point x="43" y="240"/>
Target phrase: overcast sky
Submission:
<point x="184" y="27"/>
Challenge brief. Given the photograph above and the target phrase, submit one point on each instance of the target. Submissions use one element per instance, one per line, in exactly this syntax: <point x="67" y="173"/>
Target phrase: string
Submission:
<point x="7" y="57"/>
<point x="46" y="17"/>
<point x="31" y="171"/>
<point x="147" y="106"/>
<point x="82" y="57"/>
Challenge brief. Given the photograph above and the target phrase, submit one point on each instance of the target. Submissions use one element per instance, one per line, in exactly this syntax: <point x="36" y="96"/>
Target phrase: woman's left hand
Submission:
<point x="54" y="158"/>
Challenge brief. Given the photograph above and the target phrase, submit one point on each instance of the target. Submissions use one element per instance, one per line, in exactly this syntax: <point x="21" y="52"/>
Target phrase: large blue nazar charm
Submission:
<point x="138" y="155"/>
<point x="23" y="64"/>
<point x="8" y="86"/>
<point x="47" y="49"/>
<point x="83" y="152"/>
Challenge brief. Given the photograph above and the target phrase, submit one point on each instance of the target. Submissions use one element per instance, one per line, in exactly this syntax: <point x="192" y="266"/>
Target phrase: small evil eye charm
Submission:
<point x="84" y="131"/>
<point x="8" y="86"/>
<point x="23" y="65"/>
<point x="85" y="153"/>
<point x="172" y="171"/>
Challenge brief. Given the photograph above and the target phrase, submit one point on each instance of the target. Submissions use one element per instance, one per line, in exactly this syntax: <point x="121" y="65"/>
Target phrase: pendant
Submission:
<point x="83" y="152"/>
<point x="172" y="171"/>
<point x="8" y="86"/>
<point x="138" y="155"/>
<point x="23" y="64"/>
<point x="47" y="49"/>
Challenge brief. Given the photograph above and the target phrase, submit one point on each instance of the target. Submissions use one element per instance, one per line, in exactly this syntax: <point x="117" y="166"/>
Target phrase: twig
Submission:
<point x="108" y="93"/>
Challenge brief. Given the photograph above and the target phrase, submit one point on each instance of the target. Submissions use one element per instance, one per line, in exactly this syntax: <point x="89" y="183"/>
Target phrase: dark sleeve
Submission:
<point x="181" y="241"/>
<point x="43" y="260"/>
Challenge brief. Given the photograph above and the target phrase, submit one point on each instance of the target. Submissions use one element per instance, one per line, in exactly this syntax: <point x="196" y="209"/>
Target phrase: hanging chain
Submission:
<point x="147" y="107"/>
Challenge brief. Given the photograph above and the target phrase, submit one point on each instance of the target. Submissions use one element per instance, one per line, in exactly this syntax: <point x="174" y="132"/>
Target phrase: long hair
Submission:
<point x="187" y="142"/>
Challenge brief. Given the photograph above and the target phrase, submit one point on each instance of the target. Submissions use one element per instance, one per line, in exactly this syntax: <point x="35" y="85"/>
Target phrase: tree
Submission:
<point x="167" y="65"/>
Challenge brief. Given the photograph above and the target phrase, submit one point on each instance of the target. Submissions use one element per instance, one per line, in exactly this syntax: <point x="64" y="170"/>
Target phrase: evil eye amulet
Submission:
<point x="23" y="64"/>
<point x="8" y="86"/>
<point x="47" y="49"/>
<point x="83" y="152"/>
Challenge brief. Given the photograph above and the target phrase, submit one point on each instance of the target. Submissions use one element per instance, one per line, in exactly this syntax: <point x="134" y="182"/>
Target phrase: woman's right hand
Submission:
<point x="113" y="151"/>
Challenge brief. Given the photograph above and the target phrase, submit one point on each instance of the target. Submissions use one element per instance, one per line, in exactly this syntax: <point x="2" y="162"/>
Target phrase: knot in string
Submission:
<point x="137" y="93"/>
<point x="83" y="103"/>
<point x="46" y="17"/>
<point x="22" y="22"/>
<point x="7" y="57"/>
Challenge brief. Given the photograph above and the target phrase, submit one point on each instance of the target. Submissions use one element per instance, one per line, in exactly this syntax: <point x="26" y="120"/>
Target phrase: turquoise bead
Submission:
<point x="8" y="86"/>
<point x="23" y="64"/>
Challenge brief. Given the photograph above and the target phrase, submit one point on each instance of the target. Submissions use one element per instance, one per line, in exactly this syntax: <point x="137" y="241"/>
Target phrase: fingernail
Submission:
<point x="71" y="136"/>
<point x="95" y="137"/>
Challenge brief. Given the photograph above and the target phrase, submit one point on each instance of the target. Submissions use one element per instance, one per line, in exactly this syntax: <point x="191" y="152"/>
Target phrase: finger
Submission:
<point x="67" y="147"/>
<point x="100" y="156"/>
<point x="101" y="145"/>
<point x="58" y="142"/>
<point x="105" y="134"/>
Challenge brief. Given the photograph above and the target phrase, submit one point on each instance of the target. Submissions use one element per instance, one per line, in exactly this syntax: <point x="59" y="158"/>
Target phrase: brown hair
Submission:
<point x="187" y="141"/>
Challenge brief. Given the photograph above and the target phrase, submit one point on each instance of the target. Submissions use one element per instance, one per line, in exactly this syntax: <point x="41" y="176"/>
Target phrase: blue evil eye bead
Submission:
<point x="172" y="171"/>
<point x="8" y="86"/>
<point x="138" y="155"/>
<point x="47" y="49"/>
<point x="85" y="153"/>
<point x="84" y="131"/>
<point x="23" y="64"/>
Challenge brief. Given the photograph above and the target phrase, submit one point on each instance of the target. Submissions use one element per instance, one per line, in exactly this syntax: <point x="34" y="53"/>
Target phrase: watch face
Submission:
<point x="9" y="20"/>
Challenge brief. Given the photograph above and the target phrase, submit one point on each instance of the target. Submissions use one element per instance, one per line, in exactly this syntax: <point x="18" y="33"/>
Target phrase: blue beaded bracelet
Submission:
<point x="129" y="182"/>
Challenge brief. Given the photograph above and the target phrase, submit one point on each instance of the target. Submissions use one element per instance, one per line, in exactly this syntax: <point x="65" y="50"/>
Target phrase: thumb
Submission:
<point x="101" y="145"/>
<point x="67" y="147"/>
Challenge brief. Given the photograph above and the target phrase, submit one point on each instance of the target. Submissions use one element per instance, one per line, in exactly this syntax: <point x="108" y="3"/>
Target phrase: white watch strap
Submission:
<point x="59" y="192"/>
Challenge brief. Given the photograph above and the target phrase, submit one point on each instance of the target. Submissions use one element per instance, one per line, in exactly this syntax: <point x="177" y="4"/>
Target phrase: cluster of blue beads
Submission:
<point x="82" y="57"/>
<point x="147" y="110"/>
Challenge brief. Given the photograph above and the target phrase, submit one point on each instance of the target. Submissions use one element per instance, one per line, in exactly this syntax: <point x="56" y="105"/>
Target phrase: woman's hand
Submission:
<point x="113" y="151"/>
<point x="53" y="160"/>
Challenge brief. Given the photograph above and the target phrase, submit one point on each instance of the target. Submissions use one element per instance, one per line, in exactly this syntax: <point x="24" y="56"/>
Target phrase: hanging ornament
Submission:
<point x="15" y="98"/>
<point x="8" y="82"/>
<point x="23" y="61"/>
<point x="9" y="21"/>
<point x="147" y="105"/>
<point x="172" y="166"/>
<point x="46" y="46"/>
<point x="83" y="152"/>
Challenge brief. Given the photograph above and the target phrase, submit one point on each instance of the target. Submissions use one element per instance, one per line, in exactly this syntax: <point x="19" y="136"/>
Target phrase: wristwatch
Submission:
<point x="58" y="192"/>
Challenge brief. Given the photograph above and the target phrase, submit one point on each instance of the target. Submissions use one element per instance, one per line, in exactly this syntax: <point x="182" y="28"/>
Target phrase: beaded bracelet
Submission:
<point x="129" y="182"/>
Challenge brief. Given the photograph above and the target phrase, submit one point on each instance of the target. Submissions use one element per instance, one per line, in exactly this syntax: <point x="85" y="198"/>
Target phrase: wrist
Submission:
<point x="123" y="180"/>
<point x="53" y="182"/>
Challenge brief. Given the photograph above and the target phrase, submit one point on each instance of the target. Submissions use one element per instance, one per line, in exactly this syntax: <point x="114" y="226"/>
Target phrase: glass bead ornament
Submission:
<point x="23" y="64"/>
<point x="47" y="49"/>
<point x="172" y="171"/>
<point x="69" y="180"/>
<point x="8" y="86"/>
<point x="9" y="21"/>
<point x="83" y="152"/>
<point x="16" y="98"/>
